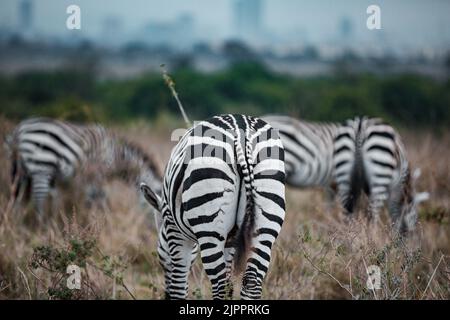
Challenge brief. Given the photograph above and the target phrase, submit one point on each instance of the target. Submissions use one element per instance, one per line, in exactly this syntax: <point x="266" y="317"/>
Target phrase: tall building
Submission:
<point x="345" y="29"/>
<point x="248" y="19"/>
<point x="25" y="16"/>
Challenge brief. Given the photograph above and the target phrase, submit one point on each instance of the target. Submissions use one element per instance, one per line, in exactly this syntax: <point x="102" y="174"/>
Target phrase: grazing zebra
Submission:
<point x="223" y="193"/>
<point x="46" y="150"/>
<point x="359" y="155"/>
<point x="308" y="151"/>
<point x="369" y="157"/>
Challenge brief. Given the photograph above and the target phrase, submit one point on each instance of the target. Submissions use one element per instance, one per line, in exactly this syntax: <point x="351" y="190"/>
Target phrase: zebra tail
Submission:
<point x="244" y="236"/>
<point x="358" y="177"/>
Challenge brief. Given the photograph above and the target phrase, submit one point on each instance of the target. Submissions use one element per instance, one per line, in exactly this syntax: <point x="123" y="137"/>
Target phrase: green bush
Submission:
<point x="245" y="87"/>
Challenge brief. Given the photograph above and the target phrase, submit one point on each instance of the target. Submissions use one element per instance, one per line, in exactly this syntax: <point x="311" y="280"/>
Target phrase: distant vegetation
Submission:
<point x="249" y="87"/>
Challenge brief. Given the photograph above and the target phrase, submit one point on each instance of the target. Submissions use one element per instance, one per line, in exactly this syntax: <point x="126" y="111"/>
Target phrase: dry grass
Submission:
<point x="317" y="256"/>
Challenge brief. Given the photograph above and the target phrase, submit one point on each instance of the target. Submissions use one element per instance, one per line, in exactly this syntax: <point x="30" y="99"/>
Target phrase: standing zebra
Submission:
<point x="359" y="155"/>
<point x="46" y="150"/>
<point x="223" y="193"/>
<point x="369" y="157"/>
<point x="309" y="151"/>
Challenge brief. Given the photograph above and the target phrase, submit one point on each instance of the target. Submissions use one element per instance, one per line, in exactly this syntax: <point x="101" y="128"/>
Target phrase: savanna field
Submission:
<point x="318" y="255"/>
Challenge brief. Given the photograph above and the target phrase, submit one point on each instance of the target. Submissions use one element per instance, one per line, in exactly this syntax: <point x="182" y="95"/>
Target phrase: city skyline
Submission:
<point x="406" y="24"/>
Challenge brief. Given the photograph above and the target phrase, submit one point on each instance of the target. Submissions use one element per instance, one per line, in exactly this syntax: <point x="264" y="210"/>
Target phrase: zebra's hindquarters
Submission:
<point x="232" y="198"/>
<point x="370" y="158"/>
<point x="268" y="209"/>
<point x="210" y="200"/>
<point x="346" y="172"/>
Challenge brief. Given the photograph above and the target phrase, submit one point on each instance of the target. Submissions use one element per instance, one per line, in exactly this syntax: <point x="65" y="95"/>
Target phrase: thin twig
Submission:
<point x="432" y="276"/>
<point x="26" y="282"/>
<point x="328" y="274"/>
<point x="171" y="84"/>
<point x="122" y="283"/>
<point x="5" y="287"/>
<point x="350" y="279"/>
<point x="34" y="275"/>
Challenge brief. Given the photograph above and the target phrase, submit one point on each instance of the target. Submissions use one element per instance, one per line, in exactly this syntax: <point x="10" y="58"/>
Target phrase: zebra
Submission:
<point x="223" y="195"/>
<point x="369" y="156"/>
<point x="45" y="150"/>
<point x="308" y="152"/>
<point x="329" y="155"/>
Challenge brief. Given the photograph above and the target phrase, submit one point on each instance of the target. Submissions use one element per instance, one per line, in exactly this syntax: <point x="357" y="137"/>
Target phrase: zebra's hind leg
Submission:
<point x="269" y="213"/>
<point x="212" y="252"/>
<point x="40" y="188"/>
<point x="55" y="198"/>
<point x="180" y="264"/>
<point x="229" y="252"/>
<point x="229" y="256"/>
<point x="377" y="198"/>
<point x="165" y="262"/>
<point x="259" y="259"/>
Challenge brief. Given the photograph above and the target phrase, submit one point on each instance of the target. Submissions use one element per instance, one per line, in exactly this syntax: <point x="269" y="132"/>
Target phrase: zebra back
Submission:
<point x="47" y="150"/>
<point x="49" y="145"/>
<point x="309" y="150"/>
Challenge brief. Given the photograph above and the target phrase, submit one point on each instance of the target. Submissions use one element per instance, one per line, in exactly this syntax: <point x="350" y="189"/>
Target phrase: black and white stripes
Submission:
<point x="223" y="190"/>
<point x="370" y="157"/>
<point x="362" y="155"/>
<point x="47" y="150"/>
<point x="309" y="150"/>
<point x="223" y="193"/>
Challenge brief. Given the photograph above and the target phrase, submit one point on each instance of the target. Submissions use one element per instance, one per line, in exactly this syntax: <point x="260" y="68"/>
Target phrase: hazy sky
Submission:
<point x="405" y="22"/>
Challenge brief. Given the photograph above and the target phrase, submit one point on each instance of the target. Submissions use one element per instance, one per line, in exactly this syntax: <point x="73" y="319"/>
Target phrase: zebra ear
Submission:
<point x="151" y="196"/>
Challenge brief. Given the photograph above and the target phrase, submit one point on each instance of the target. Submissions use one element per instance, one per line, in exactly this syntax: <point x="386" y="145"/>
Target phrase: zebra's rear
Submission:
<point x="223" y="190"/>
<point x="234" y="188"/>
<point x="370" y="157"/>
<point x="389" y="176"/>
<point x="349" y="170"/>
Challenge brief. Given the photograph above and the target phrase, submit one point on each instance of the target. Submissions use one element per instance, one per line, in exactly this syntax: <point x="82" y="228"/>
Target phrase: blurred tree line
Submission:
<point x="245" y="87"/>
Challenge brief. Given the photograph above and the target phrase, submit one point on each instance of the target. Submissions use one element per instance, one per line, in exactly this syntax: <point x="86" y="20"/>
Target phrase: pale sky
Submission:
<point x="405" y="22"/>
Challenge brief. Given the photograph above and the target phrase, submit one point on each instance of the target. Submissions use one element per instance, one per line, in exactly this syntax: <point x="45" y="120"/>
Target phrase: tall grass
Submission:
<point x="317" y="256"/>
